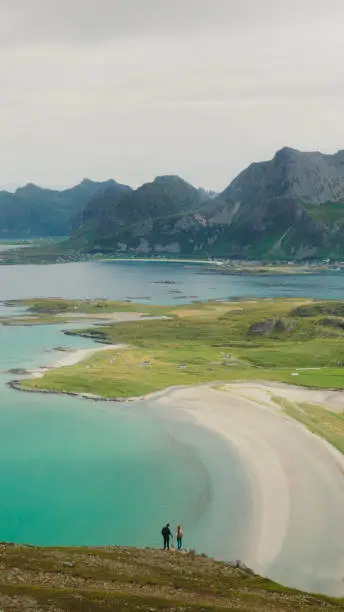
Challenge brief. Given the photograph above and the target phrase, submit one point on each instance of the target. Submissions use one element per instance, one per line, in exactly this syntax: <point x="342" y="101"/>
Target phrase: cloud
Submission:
<point x="95" y="21"/>
<point x="135" y="88"/>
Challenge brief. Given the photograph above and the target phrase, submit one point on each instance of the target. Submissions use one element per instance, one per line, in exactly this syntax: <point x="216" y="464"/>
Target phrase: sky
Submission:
<point x="132" y="89"/>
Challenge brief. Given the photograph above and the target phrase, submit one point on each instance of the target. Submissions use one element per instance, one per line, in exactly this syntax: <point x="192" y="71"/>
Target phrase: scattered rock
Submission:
<point x="68" y="563"/>
<point x="64" y="349"/>
<point x="19" y="371"/>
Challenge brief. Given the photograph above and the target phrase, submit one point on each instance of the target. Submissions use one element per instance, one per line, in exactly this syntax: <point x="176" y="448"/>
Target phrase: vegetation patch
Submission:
<point x="60" y="306"/>
<point x="319" y="420"/>
<point x="200" y="343"/>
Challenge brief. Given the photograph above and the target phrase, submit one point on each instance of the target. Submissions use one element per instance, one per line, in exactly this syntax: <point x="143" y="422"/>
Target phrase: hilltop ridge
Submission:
<point x="114" y="578"/>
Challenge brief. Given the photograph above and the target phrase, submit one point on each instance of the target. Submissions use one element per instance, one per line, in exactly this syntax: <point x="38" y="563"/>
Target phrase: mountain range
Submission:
<point x="291" y="206"/>
<point x="35" y="211"/>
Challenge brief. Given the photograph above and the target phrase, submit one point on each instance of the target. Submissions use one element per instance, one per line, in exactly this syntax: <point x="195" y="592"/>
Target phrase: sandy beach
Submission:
<point x="74" y="357"/>
<point x="297" y="479"/>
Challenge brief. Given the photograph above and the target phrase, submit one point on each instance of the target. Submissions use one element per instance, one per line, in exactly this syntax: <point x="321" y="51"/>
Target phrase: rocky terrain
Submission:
<point x="108" y="579"/>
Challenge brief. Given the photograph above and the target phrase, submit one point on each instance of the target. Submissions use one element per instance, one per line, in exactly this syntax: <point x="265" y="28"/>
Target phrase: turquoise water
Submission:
<point x="79" y="472"/>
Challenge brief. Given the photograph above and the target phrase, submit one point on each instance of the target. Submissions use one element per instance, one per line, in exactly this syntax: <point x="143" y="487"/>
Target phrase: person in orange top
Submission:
<point x="179" y="535"/>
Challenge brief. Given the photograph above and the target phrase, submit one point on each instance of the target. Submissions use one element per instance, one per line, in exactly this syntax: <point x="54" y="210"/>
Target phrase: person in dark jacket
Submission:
<point x="166" y="534"/>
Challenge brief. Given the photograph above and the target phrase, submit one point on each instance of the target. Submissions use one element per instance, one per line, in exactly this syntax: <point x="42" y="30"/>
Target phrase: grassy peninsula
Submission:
<point x="296" y="341"/>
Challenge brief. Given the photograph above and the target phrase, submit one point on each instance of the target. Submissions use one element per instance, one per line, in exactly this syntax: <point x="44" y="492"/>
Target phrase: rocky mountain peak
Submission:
<point x="286" y="153"/>
<point x="308" y="177"/>
<point x="168" y="178"/>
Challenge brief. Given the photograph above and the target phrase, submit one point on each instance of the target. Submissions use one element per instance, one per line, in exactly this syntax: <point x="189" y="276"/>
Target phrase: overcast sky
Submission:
<point x="130" y="89"/>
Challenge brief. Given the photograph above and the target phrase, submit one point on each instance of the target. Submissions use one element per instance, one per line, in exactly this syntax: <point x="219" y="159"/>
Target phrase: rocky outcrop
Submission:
<point x="271" y="326"/>
<point x="332" y="322"/>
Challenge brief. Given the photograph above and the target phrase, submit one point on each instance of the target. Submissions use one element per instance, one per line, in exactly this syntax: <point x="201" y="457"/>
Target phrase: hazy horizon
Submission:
<point x="198" y="88"/>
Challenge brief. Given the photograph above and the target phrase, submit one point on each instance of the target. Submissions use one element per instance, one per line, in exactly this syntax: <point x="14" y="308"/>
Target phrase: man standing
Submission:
<point x="166" y="534"/>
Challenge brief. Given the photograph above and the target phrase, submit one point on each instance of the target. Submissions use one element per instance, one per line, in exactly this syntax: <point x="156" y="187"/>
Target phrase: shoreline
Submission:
<point x="296" y="480"/>
<point x="156" y="260"/>
<point x="72" y="358"/>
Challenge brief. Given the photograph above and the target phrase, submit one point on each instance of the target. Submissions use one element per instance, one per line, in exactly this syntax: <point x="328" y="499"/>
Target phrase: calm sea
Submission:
<point x="158" y="282"/>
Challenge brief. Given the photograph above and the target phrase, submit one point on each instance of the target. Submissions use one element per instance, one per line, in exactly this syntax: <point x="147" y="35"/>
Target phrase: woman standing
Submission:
<point x="179" y="535"/>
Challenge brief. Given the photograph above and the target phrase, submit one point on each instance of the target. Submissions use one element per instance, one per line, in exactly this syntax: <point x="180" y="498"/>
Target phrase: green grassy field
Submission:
<point x="204" y="342"/>
<point x="319" y="420"/>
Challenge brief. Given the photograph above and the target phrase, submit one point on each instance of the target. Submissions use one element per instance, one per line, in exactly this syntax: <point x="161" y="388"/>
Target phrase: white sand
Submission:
<point x="75" y="357"/>
<point x="296" y="533"/>
<point x="82" y="354"/>
<point x="114" y="317"/>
